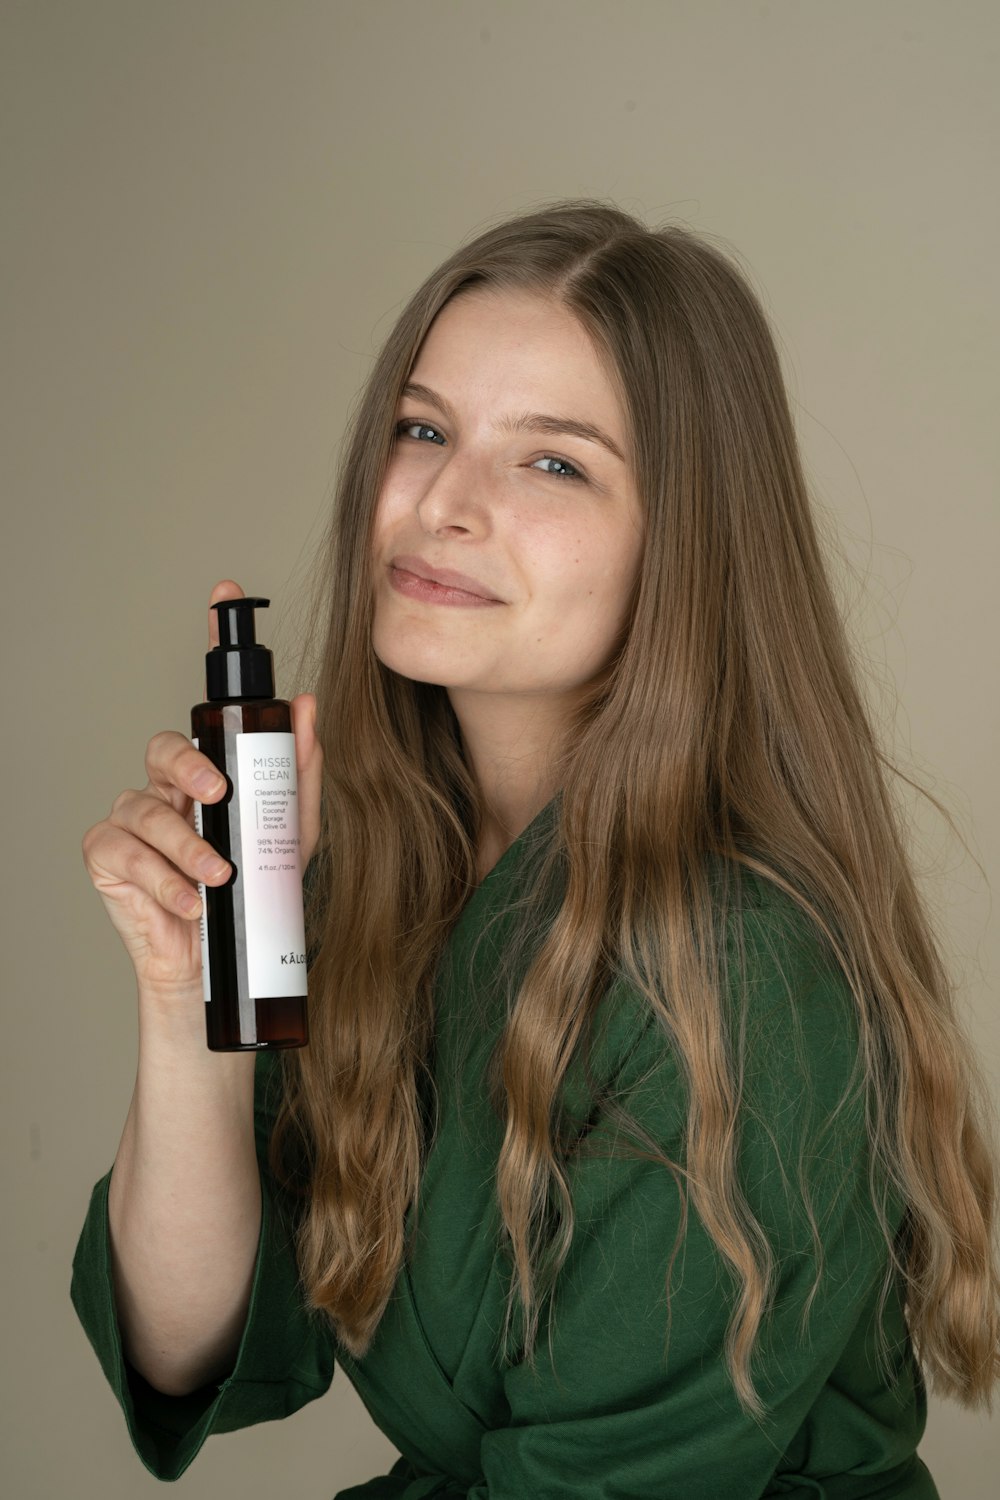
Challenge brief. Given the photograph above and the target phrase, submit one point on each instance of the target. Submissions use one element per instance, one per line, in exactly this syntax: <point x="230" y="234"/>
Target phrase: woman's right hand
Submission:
<point x="145" y="858"/>
<point x="145" y="861"/>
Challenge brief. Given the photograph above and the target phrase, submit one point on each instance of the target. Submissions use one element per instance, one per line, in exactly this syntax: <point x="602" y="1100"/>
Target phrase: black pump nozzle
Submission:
<point x="237" y="667"/>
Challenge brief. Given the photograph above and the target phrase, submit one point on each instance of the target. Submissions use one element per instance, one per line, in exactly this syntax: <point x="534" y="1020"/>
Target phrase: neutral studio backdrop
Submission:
<point x="213" y="211"/>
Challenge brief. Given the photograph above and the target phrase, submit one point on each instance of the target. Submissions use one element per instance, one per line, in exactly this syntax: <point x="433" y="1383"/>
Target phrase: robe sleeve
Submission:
<point x="614" y="1412"/>
<point x="285" y="1357"/>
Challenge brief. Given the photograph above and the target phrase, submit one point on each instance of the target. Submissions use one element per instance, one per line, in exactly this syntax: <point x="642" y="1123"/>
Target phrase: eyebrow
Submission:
<point x="528" y="421"/>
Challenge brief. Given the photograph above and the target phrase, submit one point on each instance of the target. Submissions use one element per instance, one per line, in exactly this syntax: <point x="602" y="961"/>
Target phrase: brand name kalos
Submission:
<point x="272" y="768"/>
<point x="293" y="958"/>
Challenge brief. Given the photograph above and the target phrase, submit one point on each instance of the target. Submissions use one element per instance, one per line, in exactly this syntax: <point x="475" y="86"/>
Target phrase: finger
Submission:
<point x="120" y="863"/>
<point x="156" y="825"/>
<point x="225" y="589"/>
<point x="179" y="773"/>
<point x="309" y="765"/>
<point x="303" y="710"/>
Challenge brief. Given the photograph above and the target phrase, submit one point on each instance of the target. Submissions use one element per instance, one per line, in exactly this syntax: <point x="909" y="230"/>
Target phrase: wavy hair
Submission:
<point x="734" y="639"/>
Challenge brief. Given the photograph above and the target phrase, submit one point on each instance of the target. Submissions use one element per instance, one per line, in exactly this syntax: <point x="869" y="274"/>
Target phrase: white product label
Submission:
<point x="269" y="864"/>
<point x="206" y="977"/>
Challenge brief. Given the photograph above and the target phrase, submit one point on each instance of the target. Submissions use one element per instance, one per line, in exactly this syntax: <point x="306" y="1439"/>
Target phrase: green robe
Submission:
<point x="607" y="1417"/>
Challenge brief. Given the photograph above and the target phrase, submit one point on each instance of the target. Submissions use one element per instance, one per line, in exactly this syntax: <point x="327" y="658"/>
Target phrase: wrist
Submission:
<point x="172" y="1024"/>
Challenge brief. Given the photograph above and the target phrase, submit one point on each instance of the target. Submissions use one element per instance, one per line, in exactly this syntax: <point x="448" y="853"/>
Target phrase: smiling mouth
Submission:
<point x="412" y="586"/>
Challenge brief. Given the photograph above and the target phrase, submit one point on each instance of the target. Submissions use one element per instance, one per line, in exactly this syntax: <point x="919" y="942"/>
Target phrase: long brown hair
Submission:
<point x="734" y="641"/>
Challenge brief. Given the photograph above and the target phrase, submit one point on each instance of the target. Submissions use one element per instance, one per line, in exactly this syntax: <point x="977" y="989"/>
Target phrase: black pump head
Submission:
<point x="237" y="667"/>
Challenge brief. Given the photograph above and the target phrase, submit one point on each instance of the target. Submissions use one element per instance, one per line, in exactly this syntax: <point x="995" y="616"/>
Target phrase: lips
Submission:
<point x="447" y="577"/>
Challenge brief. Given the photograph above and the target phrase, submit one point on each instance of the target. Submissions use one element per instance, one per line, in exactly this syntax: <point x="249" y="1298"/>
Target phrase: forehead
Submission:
<point x="495" y="345"/>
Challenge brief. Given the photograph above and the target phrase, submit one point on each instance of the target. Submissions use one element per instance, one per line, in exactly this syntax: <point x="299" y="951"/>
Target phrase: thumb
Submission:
<point x="309" y="766"/>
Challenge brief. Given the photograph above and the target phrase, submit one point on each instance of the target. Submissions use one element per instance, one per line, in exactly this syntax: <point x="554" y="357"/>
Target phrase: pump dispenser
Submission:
<point x="253" y="927"/>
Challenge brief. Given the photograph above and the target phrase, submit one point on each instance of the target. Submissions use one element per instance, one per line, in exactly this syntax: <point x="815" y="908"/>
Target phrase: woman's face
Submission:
<point x="546" y="522"/>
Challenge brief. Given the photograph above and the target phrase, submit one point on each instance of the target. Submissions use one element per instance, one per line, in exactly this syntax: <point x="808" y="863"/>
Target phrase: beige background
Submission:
<point x="213" y="211"/>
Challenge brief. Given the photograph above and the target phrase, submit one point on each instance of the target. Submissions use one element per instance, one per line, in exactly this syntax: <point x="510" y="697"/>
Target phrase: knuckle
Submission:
<point x="133" y="862"/>
<point x="148" y="817"/>
<point x="121" y="802"/>
<point x="90" y="839"/>
<point x="158" y="741"/>
<point x="163" y="747"/>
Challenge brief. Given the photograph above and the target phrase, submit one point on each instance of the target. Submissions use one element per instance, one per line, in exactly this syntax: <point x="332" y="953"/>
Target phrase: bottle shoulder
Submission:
<point x="247" y="715"/>
<point x="245" y="702"/>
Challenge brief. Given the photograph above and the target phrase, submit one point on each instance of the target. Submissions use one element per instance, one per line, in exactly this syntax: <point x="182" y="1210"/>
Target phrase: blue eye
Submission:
<point x="551" y="459"/>
<point x="408" y="424"/>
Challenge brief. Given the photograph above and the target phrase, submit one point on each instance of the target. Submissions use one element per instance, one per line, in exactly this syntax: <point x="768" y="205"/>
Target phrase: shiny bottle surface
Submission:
<point x="236" y="1018"/>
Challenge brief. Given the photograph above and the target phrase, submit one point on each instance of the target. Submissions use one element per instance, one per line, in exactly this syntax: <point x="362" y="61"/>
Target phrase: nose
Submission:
<point x="453" y="502"/>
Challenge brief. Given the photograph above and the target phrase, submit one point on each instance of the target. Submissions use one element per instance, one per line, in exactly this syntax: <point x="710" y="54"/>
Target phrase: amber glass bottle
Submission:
<point x="253" y="927"/>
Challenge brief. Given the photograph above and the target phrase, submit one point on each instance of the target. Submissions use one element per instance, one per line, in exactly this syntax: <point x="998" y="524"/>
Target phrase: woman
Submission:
<point x="635" y="1151"/>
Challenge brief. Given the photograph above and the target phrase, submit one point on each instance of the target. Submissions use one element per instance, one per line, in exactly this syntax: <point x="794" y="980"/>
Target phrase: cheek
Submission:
<point x="604" y="583"/>
<point x="594" y="569"/>
<point x="399" y="493"/>
<point x="386" y="509"/>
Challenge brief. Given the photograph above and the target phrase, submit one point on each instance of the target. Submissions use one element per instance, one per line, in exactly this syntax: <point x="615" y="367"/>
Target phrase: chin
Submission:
<point x="413" y="665"/>
<point x="405" y="645"/>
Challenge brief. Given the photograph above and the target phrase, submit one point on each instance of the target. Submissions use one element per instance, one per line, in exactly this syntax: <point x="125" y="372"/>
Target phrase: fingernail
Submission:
<point x="208" y="783"/>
